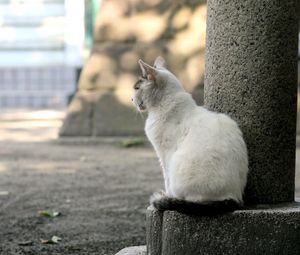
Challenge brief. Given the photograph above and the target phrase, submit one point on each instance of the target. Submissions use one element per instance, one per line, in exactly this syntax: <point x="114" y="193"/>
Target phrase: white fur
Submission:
<point x="202" y="153"/>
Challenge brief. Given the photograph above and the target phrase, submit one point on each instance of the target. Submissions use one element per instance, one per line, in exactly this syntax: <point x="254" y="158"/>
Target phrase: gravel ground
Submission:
<point x="101" y="191"/>
<point x="100" y="188"/>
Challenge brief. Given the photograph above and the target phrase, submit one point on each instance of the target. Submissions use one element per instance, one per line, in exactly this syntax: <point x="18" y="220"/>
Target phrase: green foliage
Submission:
<point x="133" y="142"/>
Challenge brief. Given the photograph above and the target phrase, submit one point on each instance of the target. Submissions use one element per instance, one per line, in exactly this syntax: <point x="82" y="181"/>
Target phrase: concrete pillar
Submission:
<point x="251" y="74"/>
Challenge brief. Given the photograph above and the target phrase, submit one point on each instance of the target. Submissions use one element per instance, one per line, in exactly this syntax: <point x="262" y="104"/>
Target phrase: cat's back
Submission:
<point x="213" y="130"/>
<point x="214" y="121"/>
<point x="215" y="139"/>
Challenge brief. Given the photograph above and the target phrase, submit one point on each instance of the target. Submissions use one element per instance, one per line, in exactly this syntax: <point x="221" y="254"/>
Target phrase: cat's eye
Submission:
<point x="137" y="85"/>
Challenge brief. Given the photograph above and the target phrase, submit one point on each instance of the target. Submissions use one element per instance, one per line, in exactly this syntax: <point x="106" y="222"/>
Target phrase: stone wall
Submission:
<point x="125" y="32"/>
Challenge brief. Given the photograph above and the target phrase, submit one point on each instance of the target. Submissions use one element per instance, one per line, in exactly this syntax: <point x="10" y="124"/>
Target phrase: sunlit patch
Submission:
<point x="52" y="167"/>
<point x="129" y="60"/>
<point x="76" y="106"/>
<point x="124" y="89"/>
<point x="23" y="115"/>
<point x="148" y="25"/>
<point x="189" y="40"/>
<point x="182" y="18"/>
<point x="29" y="125"/>
<point x="193" y="72"/>
<point x="149" y="3"/>
<point x="3" y="168"/>
<point x="99" y="71"/>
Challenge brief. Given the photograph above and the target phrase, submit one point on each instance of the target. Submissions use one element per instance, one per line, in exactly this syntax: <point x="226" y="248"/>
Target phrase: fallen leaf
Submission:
<point x="53" y="240"/>
<point x="56" y="239"/>
<point x="55" y="214"/>
<point x="49" y="214"/>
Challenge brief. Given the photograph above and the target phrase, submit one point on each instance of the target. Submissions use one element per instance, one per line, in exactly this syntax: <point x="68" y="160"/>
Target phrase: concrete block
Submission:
<point x="78" y="118"/>
<point x="134" y="250"/>
<point x="264" y="230"/>
<point x="112" y="117"/>
<point x="100" y="113"/>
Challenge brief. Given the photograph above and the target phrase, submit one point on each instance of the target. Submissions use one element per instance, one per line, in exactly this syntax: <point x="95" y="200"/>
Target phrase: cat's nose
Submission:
<point x="131" y="99"/>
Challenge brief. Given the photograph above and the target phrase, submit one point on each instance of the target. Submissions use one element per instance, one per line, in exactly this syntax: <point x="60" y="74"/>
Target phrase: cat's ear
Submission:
<point x="160" y="62"/>
<point x="147" y="70"/>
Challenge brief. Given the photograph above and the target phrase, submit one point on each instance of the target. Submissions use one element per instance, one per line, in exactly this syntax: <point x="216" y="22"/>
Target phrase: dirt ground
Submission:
<point x="100" y="188"/>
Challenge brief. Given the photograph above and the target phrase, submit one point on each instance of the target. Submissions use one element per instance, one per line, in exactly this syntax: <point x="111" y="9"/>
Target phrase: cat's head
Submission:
<point x="156" y="81"/>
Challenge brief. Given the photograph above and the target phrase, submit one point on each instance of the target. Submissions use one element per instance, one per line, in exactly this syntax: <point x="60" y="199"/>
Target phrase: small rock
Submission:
<point x="4" y="193"/>
<point x="133" y="250"/>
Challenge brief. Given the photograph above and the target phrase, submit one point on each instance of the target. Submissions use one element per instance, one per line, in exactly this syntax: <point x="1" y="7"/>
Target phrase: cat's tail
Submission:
<point x="163" y="203"/>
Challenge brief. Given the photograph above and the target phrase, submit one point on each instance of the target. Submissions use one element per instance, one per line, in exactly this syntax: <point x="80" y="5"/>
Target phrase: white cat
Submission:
<point x="202" y="153"/>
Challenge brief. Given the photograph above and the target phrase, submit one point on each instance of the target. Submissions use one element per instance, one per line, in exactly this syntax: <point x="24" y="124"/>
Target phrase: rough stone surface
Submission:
<point x="134" y="250"/>
<point x="251" y="74"/>
<point x="259" y="231"/>
<point x="154" y="229"/>
<point x="125" y="32"/>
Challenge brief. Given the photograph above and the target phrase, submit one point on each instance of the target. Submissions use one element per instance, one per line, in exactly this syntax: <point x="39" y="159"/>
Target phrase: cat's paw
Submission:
<point x="157" y="196"/>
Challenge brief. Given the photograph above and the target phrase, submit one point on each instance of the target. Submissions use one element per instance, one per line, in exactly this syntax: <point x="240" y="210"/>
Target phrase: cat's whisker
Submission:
<point x="139" y="114"/>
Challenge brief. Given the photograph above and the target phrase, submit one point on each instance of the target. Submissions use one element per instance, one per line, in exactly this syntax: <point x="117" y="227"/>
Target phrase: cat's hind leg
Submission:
<point x="167" y="187"/>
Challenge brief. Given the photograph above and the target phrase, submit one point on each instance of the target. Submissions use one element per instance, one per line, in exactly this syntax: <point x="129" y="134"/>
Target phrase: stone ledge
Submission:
<point x="263" y="230"/>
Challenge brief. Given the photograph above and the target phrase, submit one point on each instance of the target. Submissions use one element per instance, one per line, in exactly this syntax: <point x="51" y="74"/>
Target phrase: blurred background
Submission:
<point x="67" y="68"/>
<point x="76" y="61"/>
<point x="43" y="47"/>
<point x="42" y="51"/>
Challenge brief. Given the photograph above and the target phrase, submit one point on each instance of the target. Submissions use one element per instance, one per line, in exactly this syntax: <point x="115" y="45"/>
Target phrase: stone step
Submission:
<point x="264" y="230"/>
